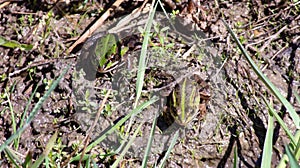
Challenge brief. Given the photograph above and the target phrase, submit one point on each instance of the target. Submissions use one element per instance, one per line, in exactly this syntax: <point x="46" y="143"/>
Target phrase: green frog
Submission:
<point x="187" y="101"/>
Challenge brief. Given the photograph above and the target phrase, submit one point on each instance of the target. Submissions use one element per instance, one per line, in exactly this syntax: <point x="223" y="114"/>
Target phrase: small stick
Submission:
<point x="36" y="64"/>
<point x="271" y="38"/>
<point x="2" y="5"/>
<point x="89" y="132"/>
<point x="95" y="26"/>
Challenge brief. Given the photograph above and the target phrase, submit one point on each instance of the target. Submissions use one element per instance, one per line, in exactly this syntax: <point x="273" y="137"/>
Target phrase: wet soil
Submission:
<point x="236" y="116"/>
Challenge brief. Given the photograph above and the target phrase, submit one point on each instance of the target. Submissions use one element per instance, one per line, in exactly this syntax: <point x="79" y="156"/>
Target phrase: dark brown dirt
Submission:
<point x="269" y="31"/>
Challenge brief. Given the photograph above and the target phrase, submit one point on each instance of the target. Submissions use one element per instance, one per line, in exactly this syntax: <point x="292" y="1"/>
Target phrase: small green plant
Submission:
<point x="24" y="124"/>
<point x="86" y="104"/>
<point x="174" y="13"/>
<point x="47" y="83"/>
<point x="14" y="44"/>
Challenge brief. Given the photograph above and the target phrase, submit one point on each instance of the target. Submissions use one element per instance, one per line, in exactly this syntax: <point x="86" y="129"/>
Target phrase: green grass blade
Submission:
<point x="8" y="94"/>
<point x="268" y="144"/>
<point x="25" y="111"/>
<point x="280" y="121"/>
<point x="94" y="164"/>
<point x="292" y="160"/>
<point x="142" y="60"/>
<point x="34" y="111"/>
<point x="116" y="163"/>
<point x="173" y="142"/>
<point x="47" y="163"/>
<point x="284" y="160"/>
<point x="12" y="114"/>
<point x="28" y="160"/>
<point x="164" y="10"/>
<point x="297" y="97"/>
<point x="14" y="44"/>
<point x="266" y="81"/>
<point x="38" y="162"/>
<point x="47" y="150"/>
<point x="297" y="149"/>
<point x="149" y="144"/>
<point x="12" y="157"/>
<point x="118" y="124"/>
<point x="50" y="143"/>
<point x="235" y="158"/>
<point x="88" y="162"/>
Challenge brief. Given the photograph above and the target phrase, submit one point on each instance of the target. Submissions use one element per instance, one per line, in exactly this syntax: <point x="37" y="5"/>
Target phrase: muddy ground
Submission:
<point x="269" y="30"/>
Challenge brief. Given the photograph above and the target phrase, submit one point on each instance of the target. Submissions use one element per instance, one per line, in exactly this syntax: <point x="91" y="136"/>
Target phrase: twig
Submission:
<point x="95" y="26"/>
<point x="189" y="51"/>
<point x="278" y="52"/>
<point x="36" y="64"/>
<point x="99" y="112"/>
<point x="127" y="19"/>
<point x="270" y="38"/>
<point x="86" y="142"/>
<point x="4" y="4"/>
<point x="274" y="36"/>
<point x="172" y="84"/>
<point x="89" y="131"/>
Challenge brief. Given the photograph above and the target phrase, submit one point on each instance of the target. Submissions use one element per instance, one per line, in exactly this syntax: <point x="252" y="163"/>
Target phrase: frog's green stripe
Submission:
<point x="106" y="46"/>
<point x="183" y="100"/>
<point x="192" y="96"/>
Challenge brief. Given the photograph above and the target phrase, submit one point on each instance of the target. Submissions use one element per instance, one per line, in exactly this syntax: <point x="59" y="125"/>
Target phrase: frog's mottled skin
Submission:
<point x="187" y="101"/>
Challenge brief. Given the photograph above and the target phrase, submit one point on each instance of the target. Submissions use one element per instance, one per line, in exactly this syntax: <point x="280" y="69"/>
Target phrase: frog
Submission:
<point x="187" y="101"/>
<point x="98" y="56"/>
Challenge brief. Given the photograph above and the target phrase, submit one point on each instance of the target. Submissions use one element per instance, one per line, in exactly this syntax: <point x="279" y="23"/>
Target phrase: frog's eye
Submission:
<point x="197" y="78"/>
<point x="201" y="89"/>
